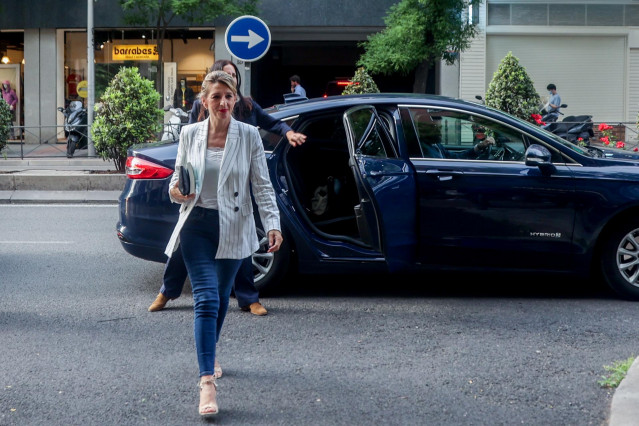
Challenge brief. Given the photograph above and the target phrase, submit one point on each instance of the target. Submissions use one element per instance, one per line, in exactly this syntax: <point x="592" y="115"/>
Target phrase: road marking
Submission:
<point x="59" y="205"/>
<point x="36" y="242"/>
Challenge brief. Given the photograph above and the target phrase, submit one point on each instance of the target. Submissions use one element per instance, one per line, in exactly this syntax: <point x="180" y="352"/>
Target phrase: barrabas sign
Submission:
<point x="137" y="52"/>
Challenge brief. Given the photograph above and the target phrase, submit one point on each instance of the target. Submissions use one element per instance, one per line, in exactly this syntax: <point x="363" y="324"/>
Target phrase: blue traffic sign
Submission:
<point x="247" y="38"/>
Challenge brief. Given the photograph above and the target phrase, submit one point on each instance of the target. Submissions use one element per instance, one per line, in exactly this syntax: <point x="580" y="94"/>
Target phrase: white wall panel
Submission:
<point x="590" y="72"/>
<point x="633" y="87"/>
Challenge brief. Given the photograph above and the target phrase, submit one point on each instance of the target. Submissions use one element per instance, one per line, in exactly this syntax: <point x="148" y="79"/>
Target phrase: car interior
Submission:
<point x="323" y="183"/>
<point x="455" y="132"/>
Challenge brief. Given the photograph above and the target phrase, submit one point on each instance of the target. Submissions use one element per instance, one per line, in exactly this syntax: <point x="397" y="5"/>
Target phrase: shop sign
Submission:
<point x="135" y="52"/>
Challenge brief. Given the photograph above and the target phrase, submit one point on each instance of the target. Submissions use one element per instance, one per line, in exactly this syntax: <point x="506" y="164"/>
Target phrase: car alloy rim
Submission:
<point x="628" y="257"/>
<point x="262" y="260"/>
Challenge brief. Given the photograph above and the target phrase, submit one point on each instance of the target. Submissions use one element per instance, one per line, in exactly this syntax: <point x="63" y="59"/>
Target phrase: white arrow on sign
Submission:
<point x="252" y="39"/>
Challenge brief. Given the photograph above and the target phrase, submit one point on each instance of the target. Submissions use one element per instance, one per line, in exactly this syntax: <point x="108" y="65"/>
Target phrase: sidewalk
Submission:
<point x="41" y="173"/>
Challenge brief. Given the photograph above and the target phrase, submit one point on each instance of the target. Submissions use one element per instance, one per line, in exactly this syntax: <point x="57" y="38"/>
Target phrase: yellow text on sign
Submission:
<point x="83" y="89"/>
<point x="135" y="52"/>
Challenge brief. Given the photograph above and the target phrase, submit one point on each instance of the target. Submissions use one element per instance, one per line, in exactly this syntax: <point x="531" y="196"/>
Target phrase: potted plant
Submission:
<point x="127" y="114"/>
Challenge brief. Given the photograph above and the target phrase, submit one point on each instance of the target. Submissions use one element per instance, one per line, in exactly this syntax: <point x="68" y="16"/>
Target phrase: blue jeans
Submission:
<point x="175" y="274"/>
<point x="211" y="280"/>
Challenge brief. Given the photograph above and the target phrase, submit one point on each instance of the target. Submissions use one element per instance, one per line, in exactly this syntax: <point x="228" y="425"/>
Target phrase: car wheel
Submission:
<point x="270" y="269"/>
<point x="620" y="259"/>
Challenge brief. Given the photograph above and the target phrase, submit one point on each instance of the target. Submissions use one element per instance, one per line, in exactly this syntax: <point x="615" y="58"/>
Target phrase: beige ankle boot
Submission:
<point x="159" y="303"/>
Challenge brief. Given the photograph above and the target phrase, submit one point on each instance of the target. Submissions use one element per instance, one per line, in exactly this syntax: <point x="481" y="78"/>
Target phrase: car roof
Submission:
<point x="314" y="104"/>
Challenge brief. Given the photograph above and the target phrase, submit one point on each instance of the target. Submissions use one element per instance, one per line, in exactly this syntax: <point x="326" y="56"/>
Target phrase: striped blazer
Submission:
<point x="243" y="166"/>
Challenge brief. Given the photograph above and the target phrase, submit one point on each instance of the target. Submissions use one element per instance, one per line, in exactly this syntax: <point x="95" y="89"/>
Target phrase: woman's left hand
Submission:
<point x="294" y="138"/>
<point x="274" y="240"/>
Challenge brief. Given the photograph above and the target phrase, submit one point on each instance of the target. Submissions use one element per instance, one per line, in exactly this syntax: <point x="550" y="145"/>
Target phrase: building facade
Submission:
<point x="45" y="43"/>
<point x="589" y="49"/>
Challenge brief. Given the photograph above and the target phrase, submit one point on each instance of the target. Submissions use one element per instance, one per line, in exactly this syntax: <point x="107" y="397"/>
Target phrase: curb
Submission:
<point x="624" y="409"/>
<point x="59" y="197"/>
<point x="35" y="180"/>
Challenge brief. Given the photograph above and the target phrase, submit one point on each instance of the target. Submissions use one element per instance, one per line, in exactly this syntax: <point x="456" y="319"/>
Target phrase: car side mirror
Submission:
<point x="539" y="156"/>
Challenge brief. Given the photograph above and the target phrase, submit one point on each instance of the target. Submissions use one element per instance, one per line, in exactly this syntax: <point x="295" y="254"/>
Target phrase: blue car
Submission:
<point x="402" y="182"/>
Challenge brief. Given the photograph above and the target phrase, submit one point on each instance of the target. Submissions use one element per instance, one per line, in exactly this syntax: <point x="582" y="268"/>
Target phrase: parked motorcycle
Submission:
<point x="551" y="117"/>
<point x="75" y="126"/>
<point x="577" y="129"/>
<point x="173" y="125"/>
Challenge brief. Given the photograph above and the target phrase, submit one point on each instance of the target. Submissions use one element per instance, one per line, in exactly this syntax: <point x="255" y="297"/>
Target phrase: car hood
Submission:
<point x="620" y="154"/>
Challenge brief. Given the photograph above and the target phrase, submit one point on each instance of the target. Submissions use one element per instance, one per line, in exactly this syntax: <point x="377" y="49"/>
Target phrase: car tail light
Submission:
<point x="137" y="168"/>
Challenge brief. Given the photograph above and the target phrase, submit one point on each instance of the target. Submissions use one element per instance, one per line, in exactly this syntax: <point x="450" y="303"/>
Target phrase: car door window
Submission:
<point x="371" y="133"/>
<point x="447" y="134"/>
<point x="270" y="140"/>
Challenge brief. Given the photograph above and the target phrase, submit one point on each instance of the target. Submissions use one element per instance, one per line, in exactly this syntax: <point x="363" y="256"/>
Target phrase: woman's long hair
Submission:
<point x="243" y="106"/>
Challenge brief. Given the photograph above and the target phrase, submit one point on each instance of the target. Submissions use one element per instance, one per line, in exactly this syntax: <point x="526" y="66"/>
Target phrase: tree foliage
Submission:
<point x="362" y="82"/>
<point x="6" y="118"/>
<point x="511" y="90"/>
<point x="418" y="34"/>
<point x="127" y="114"/>
<point x="161" y="13"/>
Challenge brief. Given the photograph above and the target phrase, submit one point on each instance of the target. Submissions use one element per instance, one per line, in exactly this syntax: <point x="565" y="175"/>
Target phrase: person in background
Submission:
<point x="554" y="103"/>
<point x="175" y="273"/>
<point x="213" y="231"/>
<point x="183" y="96"/>
<point x="430" y="142"/>
<point x="296" y="85"/>
<point x="9" y="96"/>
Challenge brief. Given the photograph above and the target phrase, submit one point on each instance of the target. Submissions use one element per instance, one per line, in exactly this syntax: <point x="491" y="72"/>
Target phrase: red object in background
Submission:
<point x="72" y="84"/>
<point x="336" y="87"/>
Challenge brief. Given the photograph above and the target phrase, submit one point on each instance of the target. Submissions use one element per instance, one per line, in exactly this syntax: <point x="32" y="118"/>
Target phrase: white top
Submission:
<point x="243" y="168"/>
<point x="208" y="197"/>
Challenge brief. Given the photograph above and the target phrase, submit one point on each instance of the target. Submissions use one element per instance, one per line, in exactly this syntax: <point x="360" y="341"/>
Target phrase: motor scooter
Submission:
<point x="576" y="129"/>
<point x="551" y="117"/>
<point x="75" y="126"/>
<point x="173" y="125"/>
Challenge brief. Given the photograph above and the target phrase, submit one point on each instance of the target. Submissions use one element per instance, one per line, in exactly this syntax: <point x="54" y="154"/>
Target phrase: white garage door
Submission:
<point x="589" y="72"/>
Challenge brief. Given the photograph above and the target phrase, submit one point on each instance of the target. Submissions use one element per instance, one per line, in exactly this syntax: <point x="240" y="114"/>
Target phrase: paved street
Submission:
<point x="79" y="347"/>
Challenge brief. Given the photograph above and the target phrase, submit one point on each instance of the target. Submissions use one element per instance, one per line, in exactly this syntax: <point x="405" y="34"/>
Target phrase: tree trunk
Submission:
<point x="421" y="77"/>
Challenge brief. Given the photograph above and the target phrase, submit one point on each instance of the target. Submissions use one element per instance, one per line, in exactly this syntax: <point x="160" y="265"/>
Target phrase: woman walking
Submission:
<point x="216" y="229"/>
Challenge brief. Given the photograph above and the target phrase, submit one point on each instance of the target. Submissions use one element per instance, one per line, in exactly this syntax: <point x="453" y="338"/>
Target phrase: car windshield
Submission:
<point x="574" y="147"/>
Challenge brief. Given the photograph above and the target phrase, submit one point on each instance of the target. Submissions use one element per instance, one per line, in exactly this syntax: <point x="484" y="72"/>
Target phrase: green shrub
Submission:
<point x="127" y="114"/>
<point x="361" y="83"/>
<point x="5" y="124"/>
<point x="511" y="90"/>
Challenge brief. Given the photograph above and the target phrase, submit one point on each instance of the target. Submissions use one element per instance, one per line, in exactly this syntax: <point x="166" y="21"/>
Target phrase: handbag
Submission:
<point x="186" y="179"/>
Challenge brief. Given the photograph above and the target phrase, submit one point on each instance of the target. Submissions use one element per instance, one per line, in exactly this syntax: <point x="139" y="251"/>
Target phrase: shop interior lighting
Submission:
<point x="5" y="59"/>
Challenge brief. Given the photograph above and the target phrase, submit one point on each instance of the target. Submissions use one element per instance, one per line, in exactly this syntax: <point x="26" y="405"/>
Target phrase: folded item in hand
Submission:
<point x="186" y="179"/>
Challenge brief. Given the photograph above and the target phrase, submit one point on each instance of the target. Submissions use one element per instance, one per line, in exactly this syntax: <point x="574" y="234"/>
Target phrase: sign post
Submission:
<point x="248" y="39"/>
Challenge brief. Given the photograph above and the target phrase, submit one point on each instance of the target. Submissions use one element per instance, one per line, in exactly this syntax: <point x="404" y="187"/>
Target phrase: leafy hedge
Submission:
<point x="6" y="118"/>
<point x="362" y="82"/>
<point x="511" y="90"/>
<point x="128" y="113"/>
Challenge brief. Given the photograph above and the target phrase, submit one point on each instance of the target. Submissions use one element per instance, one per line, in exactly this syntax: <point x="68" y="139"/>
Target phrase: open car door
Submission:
<point x="386" y="213"/>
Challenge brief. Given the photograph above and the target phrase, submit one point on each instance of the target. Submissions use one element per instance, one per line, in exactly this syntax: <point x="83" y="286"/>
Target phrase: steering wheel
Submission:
<point x="486" y="153"/>
<point x="497" y="153"/>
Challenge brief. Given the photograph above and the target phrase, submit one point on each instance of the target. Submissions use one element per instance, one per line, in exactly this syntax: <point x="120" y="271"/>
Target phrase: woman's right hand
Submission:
<point x="176" y="194"/>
